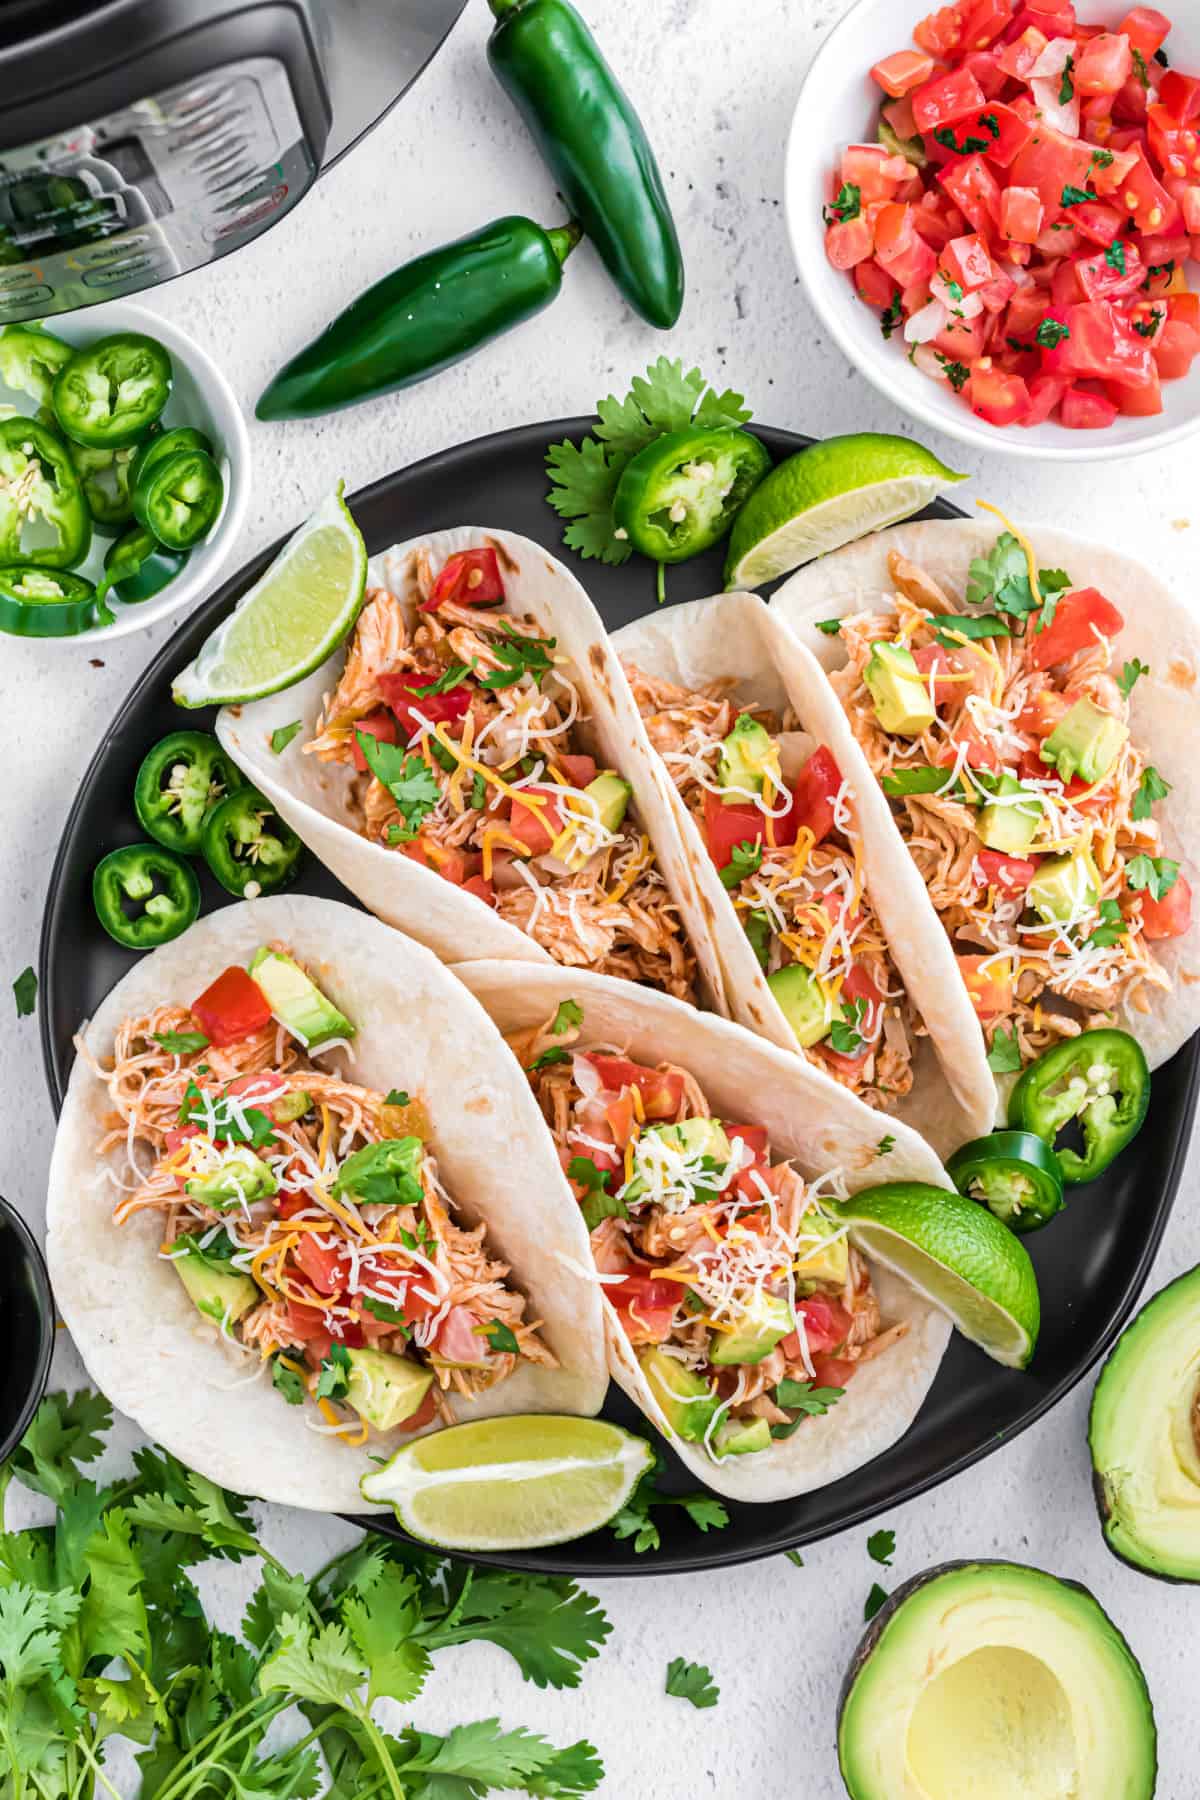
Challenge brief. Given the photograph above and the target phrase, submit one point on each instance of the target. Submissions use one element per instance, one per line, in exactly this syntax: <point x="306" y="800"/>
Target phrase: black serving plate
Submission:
<point x="26" y="1327"/>
<point x="1092" y="1261"/>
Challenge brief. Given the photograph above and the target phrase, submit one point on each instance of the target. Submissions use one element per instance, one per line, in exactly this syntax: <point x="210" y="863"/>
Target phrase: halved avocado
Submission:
<point x="993" y="1678"/>
<point x="1144" y="1436"/>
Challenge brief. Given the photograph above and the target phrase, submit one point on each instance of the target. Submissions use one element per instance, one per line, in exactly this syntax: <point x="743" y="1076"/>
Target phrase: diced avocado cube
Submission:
<point x="1010" y="820"/>
<point x="384" y="1389"/>
<point x="222" y="1295"/>
<point x="239" y="1176"/>
<point x="830" y="1259"/>
<point x="688" y="1401"/>
<point x="291" y="1106"/>
<point x="1065" y="887"/>
<point x="1085" y="742"/>
<point x="805" y="1004"/>
<point x="742" y="1437"/>
<point x="748" y="756"/>
<point x="611" y="795"/>
<point x="697" y="1137"/>
<point x="296" y="1000"/>
<point x="768" y="1319"/>
<point x="898" y="690"/>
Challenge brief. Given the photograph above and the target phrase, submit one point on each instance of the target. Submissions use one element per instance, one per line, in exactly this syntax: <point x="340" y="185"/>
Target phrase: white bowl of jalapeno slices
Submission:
<point x="124" y="473"/>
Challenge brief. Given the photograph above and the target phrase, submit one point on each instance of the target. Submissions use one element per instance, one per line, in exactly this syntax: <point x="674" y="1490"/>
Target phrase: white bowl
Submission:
<point x="200" y="396"/>
<point x="838" y="105"/>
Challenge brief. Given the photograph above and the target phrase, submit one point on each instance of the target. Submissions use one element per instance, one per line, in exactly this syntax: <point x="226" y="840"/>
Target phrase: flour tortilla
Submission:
<point x="1160" y="630"/>
<point x="817" y="1124"/>
<point x="735" y="637"/>
<point x="140" y="1337"/>
<point x="313" y="796"/>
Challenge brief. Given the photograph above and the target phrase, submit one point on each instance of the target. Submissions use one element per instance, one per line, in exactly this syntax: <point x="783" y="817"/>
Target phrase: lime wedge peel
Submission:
<point x="826" y="496"/>
<point x="958" y="1256"/>
<point x="298" y="611"/>
<point x="514" y="1483"/>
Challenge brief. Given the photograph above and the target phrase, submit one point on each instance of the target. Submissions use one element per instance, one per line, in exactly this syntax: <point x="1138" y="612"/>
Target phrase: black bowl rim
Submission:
<point x="36" y="1263"/>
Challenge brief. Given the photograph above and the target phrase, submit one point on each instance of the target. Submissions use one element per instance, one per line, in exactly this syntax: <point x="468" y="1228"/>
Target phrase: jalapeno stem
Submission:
<point x="563" y="238"/>
<point x="660" y="582"/>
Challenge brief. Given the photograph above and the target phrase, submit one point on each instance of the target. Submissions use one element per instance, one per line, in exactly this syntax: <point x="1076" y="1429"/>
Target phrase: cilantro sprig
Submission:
<point x="407" y="777"/>
<point x="1002" y="578"/>
<point x="634" y="1521"/>
<point x="1155" y="875"/>
<point x="596" y="1202"/>
<point x="744" y="859"/>
<point x="691" y="1681"/>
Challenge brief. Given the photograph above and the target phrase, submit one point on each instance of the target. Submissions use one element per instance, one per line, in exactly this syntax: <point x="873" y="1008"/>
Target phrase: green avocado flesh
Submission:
<point x="1000" y="1681"/>
<point x="1144" y="1436"/>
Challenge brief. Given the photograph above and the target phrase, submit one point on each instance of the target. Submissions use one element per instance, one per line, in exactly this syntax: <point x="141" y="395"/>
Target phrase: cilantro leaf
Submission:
<point x="889" y="319"/>
<point x="803" y="1397"/>
<point x="830" y="627"/>
<point x="875" y="1599"/>
<point x="181" y="1043"/>
<point x="886" y="1145"/>
<point x="757" y="926"/>
<point x="583" y="486"/>
<point x="744" y="859"/>
<point x="25" y="992"/>
<point x="396" y="1097"/>
<point x="1051" y="332"/>
<point x="1004" y="1057"/>
<point x="1147" y="327"/>
<point x="1139" y="67"/>
<point x="1066" y="87"/>
<point x="1130" y="675"/>
<point x="1155" y="875"/>
<point x="451" y="677"/>
<point x="692" y="1681"/>
<point x="970" y="146"/>
<point x="1151" y="788"/>
<point x="407" y="777"/>
<point x="705" y="1511"/>
<point x="64" y="1433"/>
<point x="847" y="204"/>
<point x="1114" y="256"/>
<point x="595" y="1203"/>
<point x="287" y="1382"/>
<point x="970" y="626"/>
<point x="1112" y="927"/>
<point x="321" y="1665"/>
<point x="1074" y="196"/>
<point x="520" y="656"/>
<point x="956" y="373"/>
<point x="795" y="1558"/>
<point x="475" y="1759"/>
<point x="381" y="1616"/>
<point x="846" y="1035"/>
<point x="282" y="736"/>
<point x="384" y="1311"/>
<point x="334" y="1380"/>
<point x="881" y="1547"/>
<point x="555" y="1054"/>
<point x="568" y="1017"/>
<point x="386" y="1173"/>
<point x="500" y="1336"/>
<point x="1002" y="576"/>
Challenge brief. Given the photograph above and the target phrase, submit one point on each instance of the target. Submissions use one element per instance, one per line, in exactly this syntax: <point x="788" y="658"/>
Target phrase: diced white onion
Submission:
<point x="1063" y="117"/>
<point x="1053" y="59"/>
<point x="926" y="323"/>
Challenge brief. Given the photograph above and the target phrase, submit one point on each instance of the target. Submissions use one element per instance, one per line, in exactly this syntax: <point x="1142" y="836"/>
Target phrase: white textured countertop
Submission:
<point x="716" y="84"/>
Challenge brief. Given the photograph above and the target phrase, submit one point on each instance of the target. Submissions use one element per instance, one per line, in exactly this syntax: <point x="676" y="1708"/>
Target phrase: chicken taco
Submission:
<point x="302" y="1205"/>
<point x="700" y="1157"/>
<point x="1028" y="708"/>
<point x="469" y="765"/>
<point x="823" y="951"/>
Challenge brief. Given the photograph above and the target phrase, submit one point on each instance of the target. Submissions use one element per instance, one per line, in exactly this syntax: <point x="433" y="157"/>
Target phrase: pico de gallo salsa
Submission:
<point x="1026" y="218"/>
<point x="746" y="1305"/>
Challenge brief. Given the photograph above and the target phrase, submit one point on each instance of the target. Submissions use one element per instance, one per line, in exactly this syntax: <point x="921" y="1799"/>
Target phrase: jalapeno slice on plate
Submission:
<point x="111" y="392"/>
<point x="679" y="495"/>
<point x="1014" y="1174"/>
<point x="145" y="895"/>
<point x="248" y="847"/>
<point x="161" y="444"/>
<point x="180" y="780"/>
<point x="30" y="358"/>
<point x="1100" y="1078"/>
<point x="178" y="498"/>
<point x="37" y="602"/>
<point x="137" y="566"/>
<point x="39" y="489"/>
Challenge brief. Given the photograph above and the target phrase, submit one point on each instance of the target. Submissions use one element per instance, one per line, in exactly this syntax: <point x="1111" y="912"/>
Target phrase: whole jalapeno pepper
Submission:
<point x="551" y="67"/>
<point x="38" y="482"/>
<point x="679" y="495"/>
<point x="181" y="779"/>
<point x="30" y="358"/>
<point x="247" y="845"/>
<point x="104" y="476"/>
<point x="1015" y="1174"/>
<point x="1100" y="1078"/>
<point x="38" y="602"/>
<point x="111" y="392"/>
<point x="162" y="444"/>
<point x="144" y="895"/>
<point x="424" y="317"/>
<point x="179" y="497"/>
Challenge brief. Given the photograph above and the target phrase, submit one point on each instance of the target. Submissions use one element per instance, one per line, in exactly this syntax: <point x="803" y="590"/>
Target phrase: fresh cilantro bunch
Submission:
<point x="1002" y="576"/>
<point x="103" y="1634"/>
<point x="584" y="477"/>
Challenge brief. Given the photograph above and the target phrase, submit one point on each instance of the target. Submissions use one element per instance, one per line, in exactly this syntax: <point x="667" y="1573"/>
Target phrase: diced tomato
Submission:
<point x="457" y="1340"/>
<point x="968" y="261"/>
<point x="940" y="31"/>
<point x="661" y="1089"/>
<point x="1107" y="179"/>
<point x="1054" y="19"/>
<point x="381" y="726"/>
<point x="985" y="67"/>
<point x="1043" y="711"/>
<point x="974" y="190"/>
<point x="1104" y="345"/>
<point x="645" y="1306"/>
<point x="325" y="1269"/>
<point x="1032" y="768"/>
<point x="1049" y="162"/>
<point x="178" y="1135"/>
<point x="1101" y="280"/>
<point x="1045" y="393"/>
<point x="1078" y="617"/>
<point x="425" y="1414"/>
<point x="1146" y="28"/>
<point x="580" y="771"/>
<point x="999" y="398"/>
<point x="1018" y="56"/>
<point x="753" y="1136"/>
<point x="1096" y="220"/>
<point x="873" y="171"/>
<point x="990" y="986"/>
<point x="1142" y="195"/>
<point x="1103" y="65"/>
<point x="849" y="242"/>
<point x="1174" y="348"/>
<point x="1180" y="94"/>
<point x="858" y="985"/>
<point x="1137" y="402"/>
<point x="981" y="752"/>
<point x="1185" y="308"/>
<point x="232" y="1008"/>
<point x="833" y="1371"/>
<point x="1021" y="214"/>
<point x="985" y="21"/>
<point x="1026" y="310"/>
<point x="946" y="99"/>
<point x="1012" y="874"/>
<point x="1172" y="915"/>
<point x="813" y="795"/>
<point x="1189" y="200"/>
<point x="536" y="827"/>
<point x="470" y="578"/>
<point x="826" y="1325"/>
<point x="481" y="887"/>
<point x="448" y="861"/>
<point x="900" y="248"/>
<point x="947" y="684"/>
<point x="1174" y="144"/>
<point x="962" y="340"/>
<point x="873" y="284"/>
<point x="399" y="689"/>
<point x="1012" y="133"/>
<point x="305" y="1323"/>
<point x="728" y="825"/>
<point x="904" y="70"/>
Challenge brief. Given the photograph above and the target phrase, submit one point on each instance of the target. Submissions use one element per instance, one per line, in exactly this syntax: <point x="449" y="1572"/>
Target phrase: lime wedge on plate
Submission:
<point x="955" y="1253"/>
<point x="512" y="1483"/>
<point x="826" y="496"/>
<point x="293" y="616"/>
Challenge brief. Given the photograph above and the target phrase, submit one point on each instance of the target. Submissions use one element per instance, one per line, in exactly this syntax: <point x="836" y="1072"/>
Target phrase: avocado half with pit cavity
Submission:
<point x="993" y="1678"/>
<point x="1144" y="1436"/>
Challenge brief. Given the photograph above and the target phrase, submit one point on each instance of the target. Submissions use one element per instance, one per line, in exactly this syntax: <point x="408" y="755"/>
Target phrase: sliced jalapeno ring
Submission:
<point x="178" y="499"/>
<point x="137" y="566"/>
<point x="30" y="358"/>
<point x="180" y="780"/>
<point x="112" y="391"/>
<point x="105" y="477"/>
<point x="1014" y="1174"/>
<point x="145" y="895"/>
<point x="248" y="847"/>
<point x="161" y="444"/>
<point x="679" y="495"/>
<point x="1100" y="1078"/>
<point x="40" y="493"/>
<point x="37" y="602"/>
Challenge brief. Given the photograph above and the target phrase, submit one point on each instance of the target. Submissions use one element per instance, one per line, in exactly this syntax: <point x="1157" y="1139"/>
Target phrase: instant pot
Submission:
<point x="143" y="138"/>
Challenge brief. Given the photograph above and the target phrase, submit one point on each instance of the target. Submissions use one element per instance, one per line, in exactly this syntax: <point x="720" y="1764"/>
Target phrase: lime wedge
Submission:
<point x="511" y="1483"/>
<point x="955" y="1253"/>
<point x="293" y="616"/>
<point x="826" y="496"/>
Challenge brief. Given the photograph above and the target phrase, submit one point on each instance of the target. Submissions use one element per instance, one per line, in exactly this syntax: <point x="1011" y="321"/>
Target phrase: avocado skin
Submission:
<point x="869" y="1641"/>
<point x="1099" y="1488"/>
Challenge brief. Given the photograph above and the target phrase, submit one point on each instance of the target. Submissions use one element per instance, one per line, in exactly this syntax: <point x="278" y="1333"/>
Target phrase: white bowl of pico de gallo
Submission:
<point x="998" y="217"/>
